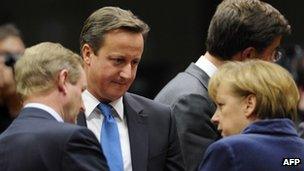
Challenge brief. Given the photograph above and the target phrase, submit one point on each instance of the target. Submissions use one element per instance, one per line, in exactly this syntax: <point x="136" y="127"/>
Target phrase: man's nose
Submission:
<point x="126" y="72"/>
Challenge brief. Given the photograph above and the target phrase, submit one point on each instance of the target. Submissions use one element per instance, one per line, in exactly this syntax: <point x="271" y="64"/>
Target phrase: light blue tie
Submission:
<point x="109" y="138"/>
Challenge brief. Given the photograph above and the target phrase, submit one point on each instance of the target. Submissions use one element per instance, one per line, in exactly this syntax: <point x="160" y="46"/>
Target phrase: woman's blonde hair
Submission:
<point x="276" y="93"/>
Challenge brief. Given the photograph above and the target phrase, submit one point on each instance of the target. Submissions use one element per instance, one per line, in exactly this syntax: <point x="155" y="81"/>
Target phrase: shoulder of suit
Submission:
<point x="140" y="98"/>
<point x="72" y="127"/>
<point x="66" y="129"/>
<point x="236" y="141"/>
<point x="182" y="84"/>
<point x="145" y="102"/>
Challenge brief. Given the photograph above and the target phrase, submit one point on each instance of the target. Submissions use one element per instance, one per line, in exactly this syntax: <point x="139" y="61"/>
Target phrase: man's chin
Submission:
<point x="115" y="97"/>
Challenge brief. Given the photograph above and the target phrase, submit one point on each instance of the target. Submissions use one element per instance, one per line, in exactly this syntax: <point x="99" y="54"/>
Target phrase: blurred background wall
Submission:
<point x="177" y="36"/>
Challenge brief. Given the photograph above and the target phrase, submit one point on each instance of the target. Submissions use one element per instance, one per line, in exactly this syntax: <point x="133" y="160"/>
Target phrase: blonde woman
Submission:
<point x="256" y="103"/>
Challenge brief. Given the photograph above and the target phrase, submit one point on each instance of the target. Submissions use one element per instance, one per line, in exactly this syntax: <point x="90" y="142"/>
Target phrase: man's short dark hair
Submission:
<point x="107" y="19"/>
<point x="238" y="24"/>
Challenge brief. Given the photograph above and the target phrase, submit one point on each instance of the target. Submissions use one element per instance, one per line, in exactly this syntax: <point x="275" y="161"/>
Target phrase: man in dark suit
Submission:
<point x="50" y="80"/>
<point x="145" y="137"/>
<point x="239" y="30"/>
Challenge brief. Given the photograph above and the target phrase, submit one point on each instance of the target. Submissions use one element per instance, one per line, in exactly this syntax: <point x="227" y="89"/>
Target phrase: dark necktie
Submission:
<point x="109" y="139"/>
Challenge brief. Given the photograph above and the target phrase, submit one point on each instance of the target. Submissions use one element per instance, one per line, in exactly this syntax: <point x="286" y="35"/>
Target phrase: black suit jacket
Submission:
<point x="152" y="132"/>
<point x="37" y="141"/>
<point x="187" y="95"/>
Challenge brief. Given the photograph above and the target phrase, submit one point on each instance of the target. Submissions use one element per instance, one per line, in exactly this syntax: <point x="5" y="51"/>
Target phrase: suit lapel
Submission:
<point x="137" y="123"/>
<point x="81" y="119"/>
<point x="199" y="74"/>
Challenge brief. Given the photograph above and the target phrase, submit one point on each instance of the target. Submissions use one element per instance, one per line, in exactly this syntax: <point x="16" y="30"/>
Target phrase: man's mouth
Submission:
<point x="120" y="83"/>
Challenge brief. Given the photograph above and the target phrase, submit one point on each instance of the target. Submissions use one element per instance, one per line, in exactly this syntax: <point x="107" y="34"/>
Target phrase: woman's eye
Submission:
<point x="220" y="105"/>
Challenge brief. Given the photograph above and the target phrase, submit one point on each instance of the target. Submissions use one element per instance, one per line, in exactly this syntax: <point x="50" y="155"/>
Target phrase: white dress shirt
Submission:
<point x="45" y="108"/>
<point x="208" y="67"/>
<point x="94" y="120"/>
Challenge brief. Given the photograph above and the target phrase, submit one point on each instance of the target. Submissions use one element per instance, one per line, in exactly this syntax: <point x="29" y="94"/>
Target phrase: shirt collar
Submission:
<point x="208" y="67"/>
<point x="45" y="108"/>
<point x="118" y="106"/>
<point x="91" y="102"/>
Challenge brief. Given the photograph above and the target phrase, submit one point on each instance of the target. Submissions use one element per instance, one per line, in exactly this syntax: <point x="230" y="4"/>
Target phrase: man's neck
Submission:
<point x="214" y="60"/>
<point x="52" y="100"/>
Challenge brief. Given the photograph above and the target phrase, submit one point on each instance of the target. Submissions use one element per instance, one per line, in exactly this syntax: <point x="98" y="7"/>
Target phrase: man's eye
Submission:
<point x="135" y="62"/>
<point x="118" y="60"/>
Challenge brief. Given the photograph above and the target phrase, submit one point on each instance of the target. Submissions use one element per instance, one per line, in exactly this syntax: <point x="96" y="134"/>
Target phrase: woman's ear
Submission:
<point x="250" y="105"/>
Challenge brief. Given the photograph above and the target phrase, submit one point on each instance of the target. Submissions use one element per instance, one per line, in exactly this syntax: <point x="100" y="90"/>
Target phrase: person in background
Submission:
<point x="11" y="48"/>
<point x="50" y="79"/>
<point x="256" y="106"/>
<point x="239" y="30"/>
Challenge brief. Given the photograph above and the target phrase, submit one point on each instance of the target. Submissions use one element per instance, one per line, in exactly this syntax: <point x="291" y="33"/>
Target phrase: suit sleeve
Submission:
<point x="83" y="152"/>
<point x="196" y="132"/>
<point x="218" y="157"/>
<point x="174" y="159"/>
